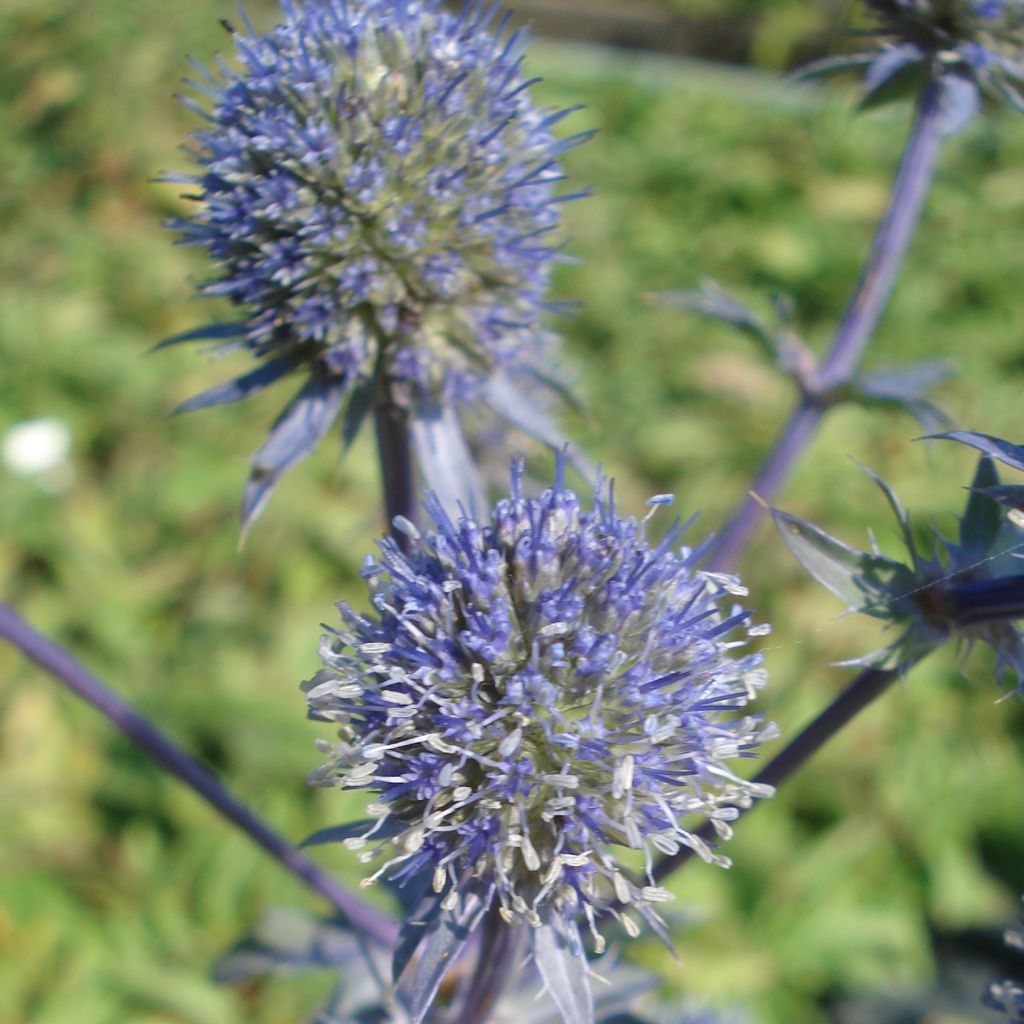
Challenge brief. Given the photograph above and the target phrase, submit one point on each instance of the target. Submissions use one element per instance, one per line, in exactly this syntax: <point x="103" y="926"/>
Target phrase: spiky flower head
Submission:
<point x="378" y="194"/>
<point x="966" y="47"/>
<point x="970" y="589"/>
<point x="531" y="695"/>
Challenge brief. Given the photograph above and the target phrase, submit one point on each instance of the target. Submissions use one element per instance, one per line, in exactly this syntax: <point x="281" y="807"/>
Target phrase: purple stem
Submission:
<point x="61" y="665"/>
<point x="860" y="318"/>
<point x="397" y="470"/>
<point x="866" y="686"/>
<point x="496" y="961"/>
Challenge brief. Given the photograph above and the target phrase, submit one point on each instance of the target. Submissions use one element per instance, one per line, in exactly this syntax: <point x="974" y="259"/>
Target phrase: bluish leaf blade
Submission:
<point x="240" y="388"/>
<point x="287" y="941"/>
<point x="517" y="409"/>
<point x="960" y="101"/>
<point x="359" y="404"/>
<point x="714" y="302"/>
<point x="444" y="458"/>
<point x="211" y="332"/>
<point x="982" y="519"/>
<point x="446" y="936"/>
<point x="864" y="581"/>
<point x="1010" y="496"/>
<point x="409" y="891"/>
<point x="895" y="79"/>
<point x="293" y="436"/>
<point x="888" y="64"/>
<point x="897" y="508"/>
<point x="1006" y="640"/>
<point x="995" y="447"/>
<point x="558" y="954"/>
<point x="905" y="383"/>
<point x="833" y="65"/>
<point x="339" y="833"/>
<point x="414" y="930"/>
<point x="553" y="383"/>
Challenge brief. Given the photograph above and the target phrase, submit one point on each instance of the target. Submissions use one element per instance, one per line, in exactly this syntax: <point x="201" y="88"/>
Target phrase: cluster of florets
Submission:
<point x="531" y="693"/>
<point x="983" y="39"/>
<point x="376" y="185"/>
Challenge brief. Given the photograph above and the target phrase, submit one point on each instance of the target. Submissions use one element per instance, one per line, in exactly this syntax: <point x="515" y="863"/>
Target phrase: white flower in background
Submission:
<point x="39" y="449"/>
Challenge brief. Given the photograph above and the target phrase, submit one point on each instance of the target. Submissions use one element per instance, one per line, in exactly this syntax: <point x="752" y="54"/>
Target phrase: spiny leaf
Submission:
<point x="960" y="101"/>
<point x="908" y="387"/>
<point x="240" y="388"/>
<point x="444" y="457"/>
<point x="210" y="332"/>
<point x="995" y="447"/>
<point x="982" y="518"/>
<point x="867" y="583"/>
<point x="359" y="404"/>
<point x="517" y="409"/>
<point x="286" y="941"/>
<point x="1012" y="497"/>
<point x="896" y="73"/>
<point x="713" y="301"/>
<point x="445" y="937"/>
<point x="293" y="436"/>
<point x="559" y="956"/>
<point x="339" y="833"/>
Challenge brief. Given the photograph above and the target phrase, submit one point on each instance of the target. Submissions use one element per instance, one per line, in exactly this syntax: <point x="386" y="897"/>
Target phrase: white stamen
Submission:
<point x="555" y="629"/>
<point x="655" y="894"/>
<point x="564" y="781"/>
<point x="413" y="840"/>
<point x="510" y="744"/>
<point x="402" y="525"/>
<point x="621" y="887"/>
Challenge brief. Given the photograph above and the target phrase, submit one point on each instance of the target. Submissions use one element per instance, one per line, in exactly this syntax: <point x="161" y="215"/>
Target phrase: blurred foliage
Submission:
<point x="118" y="888"/>
<point x="781" y="32"/>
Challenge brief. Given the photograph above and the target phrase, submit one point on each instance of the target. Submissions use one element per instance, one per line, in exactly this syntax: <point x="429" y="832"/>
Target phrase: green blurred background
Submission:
<point x="902" y="842"/>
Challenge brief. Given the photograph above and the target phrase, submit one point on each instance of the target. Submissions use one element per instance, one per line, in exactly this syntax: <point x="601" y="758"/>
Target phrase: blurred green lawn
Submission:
<point x="117" y="888"/>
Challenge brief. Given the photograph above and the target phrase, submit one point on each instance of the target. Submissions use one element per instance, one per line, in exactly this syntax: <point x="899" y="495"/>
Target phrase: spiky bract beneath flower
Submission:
<point x="533" y="692"/>
<point x="981" y="41"/>
<point x="960" y="48"/>
<point x="970" y="589"/>
<point x="378" y="193"/>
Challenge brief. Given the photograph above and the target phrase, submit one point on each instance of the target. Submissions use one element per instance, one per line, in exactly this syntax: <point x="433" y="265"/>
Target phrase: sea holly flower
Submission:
<point x="531" y="695"/>
<point x="969" y="47"/>
<point x="379" y="197"/>
<point x="971" y="589"/>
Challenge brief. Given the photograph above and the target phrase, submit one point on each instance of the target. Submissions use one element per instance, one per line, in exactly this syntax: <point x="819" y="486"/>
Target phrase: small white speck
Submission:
<point x="39" y="449"/>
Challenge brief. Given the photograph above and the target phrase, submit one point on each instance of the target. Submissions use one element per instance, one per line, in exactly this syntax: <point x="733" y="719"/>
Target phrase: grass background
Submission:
<point x="118" y="888"/>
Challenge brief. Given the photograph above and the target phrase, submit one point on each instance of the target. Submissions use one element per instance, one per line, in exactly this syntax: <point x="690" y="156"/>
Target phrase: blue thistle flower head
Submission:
<point x="378" y="194"/>
<point x="533" y="694"/>
<point x="969" y="47"/>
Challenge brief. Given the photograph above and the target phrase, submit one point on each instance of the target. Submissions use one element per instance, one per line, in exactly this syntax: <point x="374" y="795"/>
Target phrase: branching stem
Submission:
<point x="860" y="318"/>
<point x="499" y="948"/>
<point x="397" y="469"/>
<point x="62" y="666"/>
